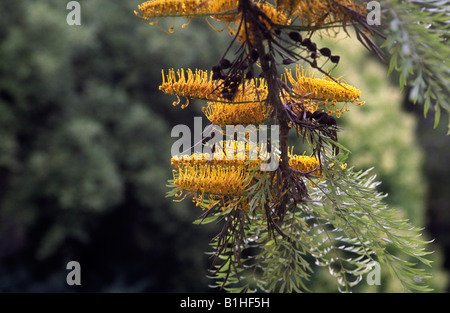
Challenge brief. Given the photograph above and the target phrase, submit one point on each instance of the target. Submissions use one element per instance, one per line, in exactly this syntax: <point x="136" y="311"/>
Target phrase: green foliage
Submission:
<point x="84" y="151"/>
<point x="418" y="47"/>
<point x="345" y="227"/>
<point x="380" y="134"/>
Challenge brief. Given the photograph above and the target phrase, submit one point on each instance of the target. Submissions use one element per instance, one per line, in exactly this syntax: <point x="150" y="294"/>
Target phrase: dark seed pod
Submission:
<point x="224" y="63"/>
<point x="312" y="47"/>
<point x="335" y="58"/>
<point x="325" y="52"/>
<point x="318" y="115"/>
<point x="295" y="36"/>
<point x="216" y="68"/>
<point x="313" y="55"/>
<point x="306" y="42"/>
<point x="314" y="63"/>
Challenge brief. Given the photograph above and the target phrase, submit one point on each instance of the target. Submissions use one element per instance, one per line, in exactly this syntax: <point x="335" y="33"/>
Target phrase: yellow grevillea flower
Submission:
<point x="318" y="13"/>
<point x="213" y="179"/>
<point x="225" y="183"/>
<point x="199" y="84"/>
<point x="205" y="159"/>
<point x="196" y="85"/>
<point x="248" y="107"/>
<point x="218" y="179"/>
<point x="306" y="85"/>
<point x="219" y="8"/>
<point x="241" y="159"/>
<point x="325" y="89"/>
<point x="189" y="8"/>
<point x="161" y="8"/>
<point x="276" y="16"/>
<point x="227" y="153"/>
<point x="305" y="164"/>
<point x="243" y="113"/>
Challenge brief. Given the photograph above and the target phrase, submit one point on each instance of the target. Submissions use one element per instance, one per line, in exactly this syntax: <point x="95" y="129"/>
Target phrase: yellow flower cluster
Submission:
<point x="212" y="179"/>
<point x="240" y="113"/>
<point x="218" y="179"/>
<point x="320" y="13"/>
<point x="306" y="85"/>
<point x="276" y="16"/>
<point x="223" y="10"/>
<point x="305" y="164"/>
<point x="227" y="153"/>
<point x="249" y="105"/>
<point x="200" y="174"/>
<point x="195" y="85"/>
<point x="220" y="8"/>
<point x="325" y="90"/>
<point x="199" y="84"/>
<point x="161" y="8"/>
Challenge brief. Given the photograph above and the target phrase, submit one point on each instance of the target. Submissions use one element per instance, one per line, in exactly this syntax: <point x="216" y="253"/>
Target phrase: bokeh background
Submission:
<point x="85" y="151"/>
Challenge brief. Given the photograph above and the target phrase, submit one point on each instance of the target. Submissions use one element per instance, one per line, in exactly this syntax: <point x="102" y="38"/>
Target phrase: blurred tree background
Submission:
<point x="85" y="150"/>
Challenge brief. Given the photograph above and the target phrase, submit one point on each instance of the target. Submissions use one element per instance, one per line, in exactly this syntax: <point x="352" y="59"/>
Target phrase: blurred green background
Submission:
<point x="85" y="151"/>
